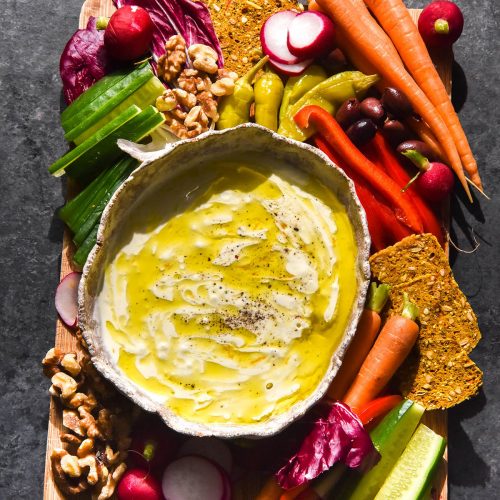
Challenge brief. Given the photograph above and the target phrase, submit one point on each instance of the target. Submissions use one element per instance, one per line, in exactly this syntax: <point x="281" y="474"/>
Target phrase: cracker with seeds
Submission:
<point x="438" y="374"/>
<point x="444" y="310"/>
<point x="410" y="258"/>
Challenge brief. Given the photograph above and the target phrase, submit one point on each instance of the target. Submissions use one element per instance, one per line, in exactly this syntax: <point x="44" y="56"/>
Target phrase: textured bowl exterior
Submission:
<point x="159" y="167"/>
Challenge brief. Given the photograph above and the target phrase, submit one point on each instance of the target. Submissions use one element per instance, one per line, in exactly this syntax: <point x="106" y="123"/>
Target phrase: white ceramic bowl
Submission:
<point x="161" y="166"/>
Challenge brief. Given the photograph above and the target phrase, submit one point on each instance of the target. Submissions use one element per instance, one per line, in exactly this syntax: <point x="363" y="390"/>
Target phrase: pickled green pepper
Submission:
<point x="234" y="109"/>
<point x="297" y="86"/>
<point x="268" y="91"/>
<point x="328" y="95"/>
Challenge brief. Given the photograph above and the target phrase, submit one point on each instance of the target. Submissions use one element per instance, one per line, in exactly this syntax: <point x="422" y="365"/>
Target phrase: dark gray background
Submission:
<point x="32" y="37"/>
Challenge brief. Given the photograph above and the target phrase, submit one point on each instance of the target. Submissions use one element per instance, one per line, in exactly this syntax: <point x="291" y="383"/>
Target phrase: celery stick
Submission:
<point x="142" y="97"/>
<point x="97" y="158"/>
<point x="99" y="87"/>
<point x="58" y="167"/>
<point x="109" y="99"/>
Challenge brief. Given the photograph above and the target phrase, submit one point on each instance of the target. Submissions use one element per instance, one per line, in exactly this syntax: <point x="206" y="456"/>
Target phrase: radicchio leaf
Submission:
<point x="188" y="18"/>
<point x="338" y="437"/>
<point x="83" y="61"/>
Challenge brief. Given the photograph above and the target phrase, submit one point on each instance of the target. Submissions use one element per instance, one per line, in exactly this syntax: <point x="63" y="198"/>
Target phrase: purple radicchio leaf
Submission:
<point x="188" y="18"/>
<point x="338" y="437"/>
<point x="83" y="61"/>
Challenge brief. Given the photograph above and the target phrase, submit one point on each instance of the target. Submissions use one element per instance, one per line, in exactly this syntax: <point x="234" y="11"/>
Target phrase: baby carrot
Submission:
<point x="391" y="348"/>
<point x="271" y="490"/>
<point x="366" y="333"/>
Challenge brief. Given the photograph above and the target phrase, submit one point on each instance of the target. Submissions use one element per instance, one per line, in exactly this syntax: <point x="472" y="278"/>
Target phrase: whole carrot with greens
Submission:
<point x="234" y="109"/>
<point x="391" y="348"/>
<point x="398" y="24"/>
<point x="379" y="54"/>
<point x="366" y="333"/>
<point x="316" y="118"/>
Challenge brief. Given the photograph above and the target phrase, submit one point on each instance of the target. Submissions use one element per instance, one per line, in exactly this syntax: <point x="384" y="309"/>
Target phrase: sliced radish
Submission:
<point x="209" y="447"/>
<point x="273" y="37"/>
<point x="311" y="34"/>
<point x="67" y="299"/>
<point x="193" y="478"/>
<point x="291" y="69"/>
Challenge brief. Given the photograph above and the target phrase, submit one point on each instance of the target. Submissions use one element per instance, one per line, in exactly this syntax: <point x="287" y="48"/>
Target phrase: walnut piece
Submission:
<point x="167" y="101"/>
<point x="193" y="81"/>
<point x="203" y="58"/>
<point x="196" y="120"/>
<point x="68" y="486"/>
<point x="208" y="105"/>
<point x="224" y="86"/>
<point x="112" y="480"/>
<point x="171" y="63"/>
<point x="51" y="362"/>
<point x="70" y="364"/>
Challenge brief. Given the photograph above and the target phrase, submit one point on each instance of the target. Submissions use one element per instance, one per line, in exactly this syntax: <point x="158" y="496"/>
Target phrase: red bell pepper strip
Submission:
<point x="377" y="233"/>
<point x="377" y="408"/>
<point x="380" y="152"/>
<point x="332" y="132"/>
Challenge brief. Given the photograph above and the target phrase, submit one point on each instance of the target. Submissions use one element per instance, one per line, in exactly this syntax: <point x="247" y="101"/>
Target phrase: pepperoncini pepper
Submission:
<point x="328" y="95"/>
<point x="234" y="109"/>
<point x="268" y="91"/>
<point x="297" y="86"/>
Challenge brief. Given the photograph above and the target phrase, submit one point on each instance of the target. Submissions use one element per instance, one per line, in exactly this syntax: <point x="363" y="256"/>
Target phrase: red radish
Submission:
<point x="67" y="299"/>
<point x="440" y="24"/>
<point x="311" y="35"/>
<point x="129" y="33"/>
<point x="291" y="69"/>
<point x="273" y="37"/>
<point x="209" y="447"/>
<point x="193" y="478"/>
<point x="435" y="180"/>
<point x="153" y="447"/>
<point x="137" y="484"/>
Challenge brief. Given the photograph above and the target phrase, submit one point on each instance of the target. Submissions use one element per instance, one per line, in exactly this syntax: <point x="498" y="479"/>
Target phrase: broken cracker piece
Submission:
<point x="438" y="374"/>
<point x="444" y="310"/>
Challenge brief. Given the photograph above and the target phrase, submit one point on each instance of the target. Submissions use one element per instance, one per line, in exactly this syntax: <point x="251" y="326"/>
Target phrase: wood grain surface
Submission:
<point x="247" y="488"/>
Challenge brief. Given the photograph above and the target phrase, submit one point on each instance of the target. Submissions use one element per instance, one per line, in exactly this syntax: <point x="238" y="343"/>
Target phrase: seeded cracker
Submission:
<point x="438" y="373"/>
<point x="237" y="24"/>
<point x="410" y="258"/>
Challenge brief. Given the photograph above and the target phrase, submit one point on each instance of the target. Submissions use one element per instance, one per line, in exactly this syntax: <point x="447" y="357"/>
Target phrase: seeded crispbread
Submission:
<point x="410" y="258"/>
<point x="444" y="310"/>
<point x="438" y="374"/>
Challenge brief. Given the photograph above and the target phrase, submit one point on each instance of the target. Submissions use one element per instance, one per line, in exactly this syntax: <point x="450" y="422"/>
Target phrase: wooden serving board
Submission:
<point x="66" y="341"/>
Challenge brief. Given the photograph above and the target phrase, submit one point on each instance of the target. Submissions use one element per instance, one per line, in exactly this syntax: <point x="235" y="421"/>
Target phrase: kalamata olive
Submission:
<point x="396" y="103"/>
<point x="396" y="132"/>
<point x="362" y="131"/>
<point x="419" y="146"/>
<point x="348" y="113"/>
<point x="372" y="108"/>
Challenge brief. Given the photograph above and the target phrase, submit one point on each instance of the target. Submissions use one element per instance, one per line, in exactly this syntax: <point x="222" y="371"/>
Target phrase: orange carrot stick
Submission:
<point x="391" y="348"/>
<point x="398" y="24"/>
<point x="271" y="490"/>
<point x="376" y="52"/>
<point x="366" y="333"/>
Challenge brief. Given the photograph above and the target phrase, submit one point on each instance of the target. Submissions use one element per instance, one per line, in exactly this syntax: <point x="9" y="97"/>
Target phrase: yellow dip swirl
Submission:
<point x="229" y="309"/>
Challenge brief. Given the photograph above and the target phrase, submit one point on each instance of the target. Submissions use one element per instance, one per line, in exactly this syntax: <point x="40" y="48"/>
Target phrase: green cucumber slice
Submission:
<point x="82" y="253"/>
<point x="58" y="167"/>
<point x="142" y="97"/>
<point x="106" y="102"/>
<point x="412" y="475"/>
<point x="105" y="152"/>
<point x="390" y="438"/>
<point x="92" y="93"/>
<point x="125" y="168"/>
<point x="77" y="211"/>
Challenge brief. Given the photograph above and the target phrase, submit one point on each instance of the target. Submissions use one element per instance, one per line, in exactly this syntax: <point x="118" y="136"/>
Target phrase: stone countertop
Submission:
<point x="31" y="40"/>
